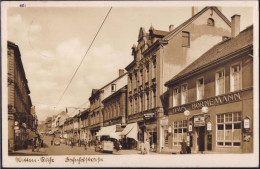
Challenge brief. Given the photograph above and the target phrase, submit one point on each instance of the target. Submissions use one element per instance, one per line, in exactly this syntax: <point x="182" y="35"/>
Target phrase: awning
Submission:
<point x="32" y="135"/>
<point x="130" y="131"/>
<point x="109" y="131"/>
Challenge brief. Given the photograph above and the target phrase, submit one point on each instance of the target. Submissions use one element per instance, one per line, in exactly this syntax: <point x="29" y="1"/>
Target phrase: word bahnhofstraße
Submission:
<point x="83" y="159"/>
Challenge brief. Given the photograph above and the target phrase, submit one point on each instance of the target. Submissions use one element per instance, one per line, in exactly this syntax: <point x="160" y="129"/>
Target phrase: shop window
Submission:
<point x="229" y="129"/>
<point x="185" y="39"/>
<point x="236" y="77"/>
<point x="200" y="89"/>
<point x="184" y="94"/>
<point x="220" y="83"/>
<point x="175" y="97"/>
<point x="179" y="132"/>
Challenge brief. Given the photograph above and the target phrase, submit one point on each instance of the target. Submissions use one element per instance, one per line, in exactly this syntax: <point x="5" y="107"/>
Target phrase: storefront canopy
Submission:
<point x="109" y="131"/>
<point x="130" y="131"/>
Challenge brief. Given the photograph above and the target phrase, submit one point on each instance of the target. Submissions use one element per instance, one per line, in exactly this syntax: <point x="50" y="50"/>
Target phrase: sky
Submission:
<point x="53" y="40"/>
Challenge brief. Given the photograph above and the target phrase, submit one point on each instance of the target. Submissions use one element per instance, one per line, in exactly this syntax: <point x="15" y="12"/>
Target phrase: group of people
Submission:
<point x="145" y="147"/>
<point x="36" y="144"/>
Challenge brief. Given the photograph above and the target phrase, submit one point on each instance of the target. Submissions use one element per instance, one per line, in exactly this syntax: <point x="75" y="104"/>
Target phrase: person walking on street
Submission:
<point x="52" y="141"/>
<point x="33" y="144"/>
<point x="142" y="147"/>
<point x="85" y="144"/>
<point x="37" y="145"/>
<point x="147" y="146"/>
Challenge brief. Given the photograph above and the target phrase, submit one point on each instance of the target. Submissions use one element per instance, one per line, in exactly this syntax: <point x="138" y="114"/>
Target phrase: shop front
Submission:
<point x="219" y="124"/>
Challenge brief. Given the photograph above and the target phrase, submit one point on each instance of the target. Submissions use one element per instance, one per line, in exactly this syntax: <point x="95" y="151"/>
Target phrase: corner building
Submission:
<point x="158" y="56"/>
<point x="216" y="94"/>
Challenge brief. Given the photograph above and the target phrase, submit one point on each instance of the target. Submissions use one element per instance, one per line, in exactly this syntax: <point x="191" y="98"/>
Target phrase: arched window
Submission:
<point x="210" y="22"/>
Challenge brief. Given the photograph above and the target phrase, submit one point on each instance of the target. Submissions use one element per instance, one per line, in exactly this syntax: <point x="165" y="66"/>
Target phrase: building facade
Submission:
<point x="96" y="114"/>
<point x="211" y="100"/>
<point x="20" y="119"/>
<point x="158" y="56"/>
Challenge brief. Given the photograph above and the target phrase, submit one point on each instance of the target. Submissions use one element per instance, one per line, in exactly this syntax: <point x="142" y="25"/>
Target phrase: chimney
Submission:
<point x="235" y="25"/>
<point x="121" y="72"/>
<point x="194" y="10"/>
<point x="171" y="27"/>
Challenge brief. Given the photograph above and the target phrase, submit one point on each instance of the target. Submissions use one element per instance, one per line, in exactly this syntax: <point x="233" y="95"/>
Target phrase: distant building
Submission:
<point x="20" y="119"/>
<point x="159" y="56"/>
<point x="48" y="124"/>
<point x="96" y="114"/>
<point x="216" y="94"/>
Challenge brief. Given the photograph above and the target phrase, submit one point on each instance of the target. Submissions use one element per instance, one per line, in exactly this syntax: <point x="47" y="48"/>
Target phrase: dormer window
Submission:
<point x="210" y="22"/>
<point x="113" y="87"/>
<point x="185" y="39"/>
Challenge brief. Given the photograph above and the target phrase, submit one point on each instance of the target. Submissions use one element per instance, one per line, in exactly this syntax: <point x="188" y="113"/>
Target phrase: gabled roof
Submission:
<point x="184" y="24"/>
<point x="219" y="51"/>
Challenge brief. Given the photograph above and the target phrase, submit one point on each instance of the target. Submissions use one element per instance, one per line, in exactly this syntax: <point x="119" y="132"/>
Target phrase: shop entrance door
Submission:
<point x="201" y="138"/>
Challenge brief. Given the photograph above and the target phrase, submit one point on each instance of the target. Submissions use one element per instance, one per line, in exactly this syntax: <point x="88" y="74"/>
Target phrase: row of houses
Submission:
<point x="22" y="118"/>
<point x="192" y="83"/>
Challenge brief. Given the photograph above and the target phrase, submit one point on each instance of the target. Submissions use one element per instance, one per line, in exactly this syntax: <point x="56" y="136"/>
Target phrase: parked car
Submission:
<point x="57" y="141"/>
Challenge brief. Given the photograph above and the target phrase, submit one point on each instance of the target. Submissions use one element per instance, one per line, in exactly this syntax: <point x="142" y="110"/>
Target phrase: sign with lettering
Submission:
<point x="199" y="120"/>
<point x="233" y="97"/>
<point x="209" y="126"/>
<point x="190" y="128"/>
<point x="246" y="123"/>
<point x="148" y="115"/>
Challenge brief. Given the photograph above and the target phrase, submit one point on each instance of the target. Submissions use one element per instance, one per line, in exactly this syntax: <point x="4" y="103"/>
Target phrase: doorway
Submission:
<point x="201" y="138"/>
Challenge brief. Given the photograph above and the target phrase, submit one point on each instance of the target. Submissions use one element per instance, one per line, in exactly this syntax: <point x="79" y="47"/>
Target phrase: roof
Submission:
<point x="220" y="50"/>
<point x="176" y="30"/>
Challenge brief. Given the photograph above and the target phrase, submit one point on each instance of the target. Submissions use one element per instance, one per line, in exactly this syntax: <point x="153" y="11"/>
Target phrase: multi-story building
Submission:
<point x="211" y="100"/>
<point x="68" y="128"/>
<point x="84" y="123"/>
<point x="158" y="56"/>
<point x="96" y="105"/>
<point x="19" y="100"/>
<point x="48" y="125"/>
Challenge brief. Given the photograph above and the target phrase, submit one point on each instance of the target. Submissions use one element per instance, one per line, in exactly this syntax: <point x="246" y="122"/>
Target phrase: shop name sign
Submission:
<point x="234" y="97"/>
<point x="199" y="120"/>
<point x="148" y="115"/>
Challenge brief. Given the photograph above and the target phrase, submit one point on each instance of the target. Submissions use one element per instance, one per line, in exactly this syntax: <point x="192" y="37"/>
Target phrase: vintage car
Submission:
<point x="56" y="141"/>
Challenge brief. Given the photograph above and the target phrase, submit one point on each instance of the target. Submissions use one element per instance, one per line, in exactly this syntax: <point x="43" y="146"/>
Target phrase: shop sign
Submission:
<point x="148" y="115"/>
<point x="209" y="126"/>
<point x="190" y="128"/>
<point x="199" y="120"/>
<point x="234" y="97"/>
<point x="247" y="123"/>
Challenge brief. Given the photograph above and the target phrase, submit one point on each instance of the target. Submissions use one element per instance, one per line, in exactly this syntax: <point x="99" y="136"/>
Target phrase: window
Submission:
<point x="236" y="77"/>
<point x="175" y="97"/>
<point x="154" y="98"/>
<point x="141" y="76"/>
<point x="135" y="111"/>
<point x="130" y="83"/>
<point x="220" y="82"/>
<point x="185" y="39"/>
<point x="131" y="107"/>
<point x="113" y="87"/>
<point x="140" y="103"/>
<point x="210" y="22"/>
<point x="200" y="89"/>
<point x="184" y="94"/>
<point x="179" y="132"/>
<point x="229" y="131"/>
<point x="147" y="74"/>
<point x="147" y="101"/>
<point x="154" y="70"/>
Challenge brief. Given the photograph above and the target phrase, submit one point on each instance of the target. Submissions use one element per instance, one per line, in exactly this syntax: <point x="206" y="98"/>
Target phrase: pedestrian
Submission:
<point x="147" y="146"/>
<point x="142" y="147"/>
<point x="72" y="143"/>
<point x="183" y="147"/>
<point x="33" y="145"/>
<point x="37" y="145"/>
<point x="85" y="144"/>
<point x="42" y="143"/>
<point x="52" y="141"/>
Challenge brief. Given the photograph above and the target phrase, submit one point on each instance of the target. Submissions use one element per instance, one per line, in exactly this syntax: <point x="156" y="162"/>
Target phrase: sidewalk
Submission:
<point x="28" y="152"/>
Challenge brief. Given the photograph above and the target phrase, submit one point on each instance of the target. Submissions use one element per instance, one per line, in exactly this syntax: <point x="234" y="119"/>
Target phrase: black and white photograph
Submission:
<point x="130" y="84"/>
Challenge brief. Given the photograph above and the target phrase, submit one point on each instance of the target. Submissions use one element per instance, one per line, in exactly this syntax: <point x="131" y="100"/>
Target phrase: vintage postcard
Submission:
<point x="130" y="84"/>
